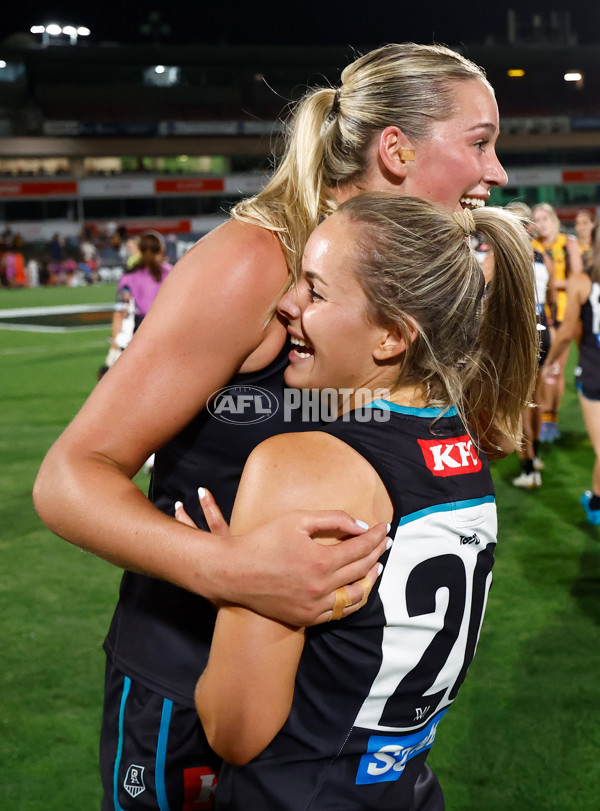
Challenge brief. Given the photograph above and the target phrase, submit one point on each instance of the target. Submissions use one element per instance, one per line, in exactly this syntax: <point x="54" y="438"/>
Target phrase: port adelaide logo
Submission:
<point x="242" y="405"/>
<point x="134" y="780"/>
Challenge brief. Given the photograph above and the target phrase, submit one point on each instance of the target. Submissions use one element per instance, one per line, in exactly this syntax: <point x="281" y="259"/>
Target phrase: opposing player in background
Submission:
<point x="585" y="226"/>
<point x="564" y="251"/>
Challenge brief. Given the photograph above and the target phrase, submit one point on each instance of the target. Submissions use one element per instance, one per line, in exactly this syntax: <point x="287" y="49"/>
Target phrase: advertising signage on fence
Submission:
<point x="38" y="188"/>
<point x="189" y="185"/>
<point x="581" y="176"/>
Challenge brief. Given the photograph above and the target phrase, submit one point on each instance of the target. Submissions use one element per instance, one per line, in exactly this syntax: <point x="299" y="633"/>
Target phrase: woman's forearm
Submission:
<point x="89" y="501"/>
<point x="92" y="504"/>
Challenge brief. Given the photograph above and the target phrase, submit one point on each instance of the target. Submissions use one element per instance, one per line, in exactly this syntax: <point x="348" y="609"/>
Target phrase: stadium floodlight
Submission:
<point x="573" y="76"/>
<point x="515" y="73"/>
<point x="56" y="30"/>
<point x="2" y="63"/>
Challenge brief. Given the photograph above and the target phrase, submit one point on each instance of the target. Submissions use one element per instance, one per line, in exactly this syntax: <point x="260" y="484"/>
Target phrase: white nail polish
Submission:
<point x="390" y="541"/>
<point x="379" y="569"/>
<point x="201" y="492"/>
<point x="389" y="526"/>
<point x="178" y="504"/>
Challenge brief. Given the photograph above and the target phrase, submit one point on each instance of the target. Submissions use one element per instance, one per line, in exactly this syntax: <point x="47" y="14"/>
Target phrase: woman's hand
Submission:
<point x="296" y="582"/>
<point x="551" y="373"/>
<point x="213" y="515"/>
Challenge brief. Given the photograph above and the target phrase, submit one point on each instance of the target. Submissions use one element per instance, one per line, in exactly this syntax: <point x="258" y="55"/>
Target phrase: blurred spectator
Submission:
<point x="137" y="290"/>
<point x="585" y="226"/>
<point x="56" y="248"/>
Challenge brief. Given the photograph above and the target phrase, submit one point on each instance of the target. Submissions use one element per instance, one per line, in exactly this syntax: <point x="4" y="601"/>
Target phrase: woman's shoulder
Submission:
<point x="580" y="285"/>
<point x="243" y="253"/>
<point x="246" y="236"/>
<point x="310" y="468"/>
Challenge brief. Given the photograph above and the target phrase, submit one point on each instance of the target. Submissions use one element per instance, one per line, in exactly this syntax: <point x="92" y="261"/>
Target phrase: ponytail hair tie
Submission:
<point x="335" y="107"/>
<point x="465" y="220"/>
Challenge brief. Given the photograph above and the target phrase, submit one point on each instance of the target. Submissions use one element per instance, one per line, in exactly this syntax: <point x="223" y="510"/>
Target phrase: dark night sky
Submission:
<point x="300" y="23"/>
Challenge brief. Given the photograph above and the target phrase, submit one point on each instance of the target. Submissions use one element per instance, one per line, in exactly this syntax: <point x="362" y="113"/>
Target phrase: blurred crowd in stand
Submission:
<point x="95" y="256"/>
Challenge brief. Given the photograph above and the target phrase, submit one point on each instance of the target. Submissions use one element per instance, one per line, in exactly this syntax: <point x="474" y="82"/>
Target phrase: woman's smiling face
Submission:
<point x="327" y="315"/>
<point x="456" y="161"/>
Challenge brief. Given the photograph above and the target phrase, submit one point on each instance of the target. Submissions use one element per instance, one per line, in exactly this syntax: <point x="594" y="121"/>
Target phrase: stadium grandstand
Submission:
<point x="101" y="138"/>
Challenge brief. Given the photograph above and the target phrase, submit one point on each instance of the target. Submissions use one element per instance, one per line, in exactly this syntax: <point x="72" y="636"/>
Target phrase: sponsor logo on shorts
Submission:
<point x="450" y="457"/>
<point x="386" y="756"/>
<point x="134" y="780"/>
<point x="464" y="539"/>
<point x="199" y="785"/>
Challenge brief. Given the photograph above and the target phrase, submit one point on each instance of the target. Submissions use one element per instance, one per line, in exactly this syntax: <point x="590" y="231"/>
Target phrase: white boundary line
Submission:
<point x="39" y="328"/>
<point x="9" y="319"/>
<point x="24" y="350"/>
<point x="61" y="309"/>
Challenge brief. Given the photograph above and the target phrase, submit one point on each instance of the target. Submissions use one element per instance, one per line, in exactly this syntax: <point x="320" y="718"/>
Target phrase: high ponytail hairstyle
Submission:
<point x="476" y="347"/>
<point x="331" y="130"/>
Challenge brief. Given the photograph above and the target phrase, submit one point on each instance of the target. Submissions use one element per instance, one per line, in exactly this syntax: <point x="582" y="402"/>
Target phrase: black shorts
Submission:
<point x="153" y="752"/>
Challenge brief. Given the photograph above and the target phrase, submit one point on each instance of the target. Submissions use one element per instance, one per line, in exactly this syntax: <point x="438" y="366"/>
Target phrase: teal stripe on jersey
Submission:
<point x="386" y="405"/>
<point x="444" y="508"/>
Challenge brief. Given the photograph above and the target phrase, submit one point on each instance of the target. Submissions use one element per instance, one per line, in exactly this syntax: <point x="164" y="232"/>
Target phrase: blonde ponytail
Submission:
<point x="476" y="347"/>
<point x="328" y="146"/>
<point x="509" y="340"/>
<point x="296" y="198"/>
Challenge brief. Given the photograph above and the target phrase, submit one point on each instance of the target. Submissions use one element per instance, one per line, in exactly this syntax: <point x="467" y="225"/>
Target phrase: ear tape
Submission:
<point x="407" y="155"/>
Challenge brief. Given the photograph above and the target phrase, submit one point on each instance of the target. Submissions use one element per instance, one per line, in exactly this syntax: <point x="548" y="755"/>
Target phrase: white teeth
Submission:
<point x="299" y="342"/>
<point x="473" y="202"/>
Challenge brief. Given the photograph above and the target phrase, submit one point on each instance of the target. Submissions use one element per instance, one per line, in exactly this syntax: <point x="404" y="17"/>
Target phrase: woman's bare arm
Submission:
<point x="245" y="694"/>
<point x="578" y="289"/>
<point x="206" y="323"/>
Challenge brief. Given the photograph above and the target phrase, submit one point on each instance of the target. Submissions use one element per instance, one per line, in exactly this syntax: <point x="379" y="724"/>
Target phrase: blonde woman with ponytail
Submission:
<point x="408" y="119"/>
<point x="391" y="298"/>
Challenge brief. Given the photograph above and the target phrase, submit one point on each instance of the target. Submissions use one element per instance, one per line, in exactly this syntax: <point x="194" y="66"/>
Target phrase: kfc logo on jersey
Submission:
<point x="450" y="457"/>
<point x="200" y="784"/>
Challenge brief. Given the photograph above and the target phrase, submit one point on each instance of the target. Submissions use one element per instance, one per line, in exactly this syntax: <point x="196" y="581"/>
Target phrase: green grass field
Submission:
<point x="524" y="734"/>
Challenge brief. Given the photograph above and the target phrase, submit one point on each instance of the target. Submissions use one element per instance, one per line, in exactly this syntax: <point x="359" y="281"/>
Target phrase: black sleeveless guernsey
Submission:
<point x="160" y="634"/>
<point x="371" y="689"/>
<point x="588" y="368"/>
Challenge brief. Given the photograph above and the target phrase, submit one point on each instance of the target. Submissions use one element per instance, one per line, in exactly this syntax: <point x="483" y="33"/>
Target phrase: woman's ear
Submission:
<point x="393" y="343"/>
<point x="395" y="151"/>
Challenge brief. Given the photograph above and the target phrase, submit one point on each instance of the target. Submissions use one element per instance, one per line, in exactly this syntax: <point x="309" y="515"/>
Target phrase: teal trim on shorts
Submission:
<point x="579" y="389"/>
<point x="161" y="755"/>
<point x="126" y="688"/>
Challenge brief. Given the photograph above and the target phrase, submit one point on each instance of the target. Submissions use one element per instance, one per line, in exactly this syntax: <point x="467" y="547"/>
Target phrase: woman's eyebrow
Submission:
<point x="484" y="125"/>
<point x="312" y="276"/>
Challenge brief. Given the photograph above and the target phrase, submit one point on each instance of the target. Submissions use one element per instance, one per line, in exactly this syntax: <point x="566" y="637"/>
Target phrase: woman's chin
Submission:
<point x="295" y="379"/>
